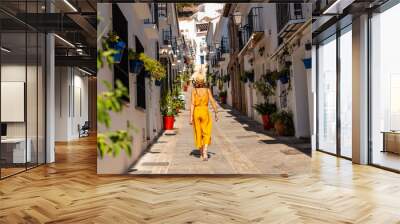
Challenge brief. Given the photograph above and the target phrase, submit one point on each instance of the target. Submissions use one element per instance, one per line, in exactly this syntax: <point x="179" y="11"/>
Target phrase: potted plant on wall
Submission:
<point x="284" y="75"/>
<point x="168" y="111"/>
<point x="243" y="78"/>
<point x="250" y="75"/>
<point x="114" y="42"/>
<point x="283" y="123"/>
<point x="265" y="110"/>
<point x="222" y="96"/>
<point x="154" y="69"/>
<point x="135" y="64"/>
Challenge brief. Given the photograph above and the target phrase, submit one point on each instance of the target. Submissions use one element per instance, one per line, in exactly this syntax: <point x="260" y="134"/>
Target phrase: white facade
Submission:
<point x="147" y="122"/>
<point x="262" y="51"/>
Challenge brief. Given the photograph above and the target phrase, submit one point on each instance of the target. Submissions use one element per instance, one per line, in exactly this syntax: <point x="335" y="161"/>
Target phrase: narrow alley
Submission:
<point x="239" y="146"/>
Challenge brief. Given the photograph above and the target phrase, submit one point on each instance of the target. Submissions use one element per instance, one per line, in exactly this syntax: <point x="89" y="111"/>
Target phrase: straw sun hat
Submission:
<point x="199" y="81"/>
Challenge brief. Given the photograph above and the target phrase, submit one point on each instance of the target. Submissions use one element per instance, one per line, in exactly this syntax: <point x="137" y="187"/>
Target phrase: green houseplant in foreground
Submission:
<point x="113" y="142"/>
<point x="283" y="123"/>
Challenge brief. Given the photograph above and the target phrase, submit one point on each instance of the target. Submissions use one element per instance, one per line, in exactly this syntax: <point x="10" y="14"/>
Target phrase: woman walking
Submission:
<point x="200" y="116"/>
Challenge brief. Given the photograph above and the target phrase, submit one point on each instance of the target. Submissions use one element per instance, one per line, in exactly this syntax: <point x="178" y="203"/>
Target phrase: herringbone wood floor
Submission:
<point x="69" y="191"/>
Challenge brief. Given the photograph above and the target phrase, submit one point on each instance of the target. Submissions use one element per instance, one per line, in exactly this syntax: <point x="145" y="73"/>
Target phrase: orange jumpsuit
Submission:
<point x="202" y="121"/>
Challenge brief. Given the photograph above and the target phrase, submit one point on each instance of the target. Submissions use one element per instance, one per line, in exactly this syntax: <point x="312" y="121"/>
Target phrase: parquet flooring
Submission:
<point x="70" y="191"/>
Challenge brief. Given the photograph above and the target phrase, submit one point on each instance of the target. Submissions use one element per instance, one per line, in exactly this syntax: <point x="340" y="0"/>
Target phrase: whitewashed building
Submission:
<point x="151" y="28"/>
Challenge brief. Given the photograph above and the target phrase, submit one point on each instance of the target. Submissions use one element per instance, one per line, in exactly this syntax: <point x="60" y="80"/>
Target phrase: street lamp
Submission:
<point x="237" y="17"/>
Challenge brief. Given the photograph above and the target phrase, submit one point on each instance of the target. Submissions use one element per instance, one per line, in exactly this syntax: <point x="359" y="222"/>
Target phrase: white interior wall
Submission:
<point x="71" y="102"/>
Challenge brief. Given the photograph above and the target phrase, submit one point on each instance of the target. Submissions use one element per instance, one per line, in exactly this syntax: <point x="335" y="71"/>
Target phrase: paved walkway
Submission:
<point x="239" y="146"/>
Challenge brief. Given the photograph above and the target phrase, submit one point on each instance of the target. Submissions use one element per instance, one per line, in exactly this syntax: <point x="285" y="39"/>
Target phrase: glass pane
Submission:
<point x="385" y="84"/>
<point x="13" y="86"/>
<point x="327" y="96"/>
<point x="346" y="94"/>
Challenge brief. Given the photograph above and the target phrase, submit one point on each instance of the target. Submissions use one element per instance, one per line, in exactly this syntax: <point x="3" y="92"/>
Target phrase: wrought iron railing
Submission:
<point x="162" y="10"/>
<point x="166" y="36"/>
<point x="224" y="45"/>
<point x="255" y="20"/>
<point x="287" y="12"/>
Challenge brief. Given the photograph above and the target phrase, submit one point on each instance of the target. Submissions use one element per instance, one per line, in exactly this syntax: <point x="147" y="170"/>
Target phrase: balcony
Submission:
<point x="253" y="31"/>
<point x="162" y="11"/>
<point x="166" y="36"/>
<point x="290" y="17"/>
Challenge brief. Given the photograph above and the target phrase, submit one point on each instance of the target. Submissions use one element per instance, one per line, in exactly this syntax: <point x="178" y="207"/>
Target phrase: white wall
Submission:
<point x="147" y="122"/>
<point x="71" y="102"/>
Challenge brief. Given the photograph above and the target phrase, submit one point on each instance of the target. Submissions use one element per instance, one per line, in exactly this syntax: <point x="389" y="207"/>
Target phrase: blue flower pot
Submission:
<point x="284" y="79"/>
<point x="136" y="66"/>
<point x="307" y="63"/>
<point x="147" y="74"/>
<point x="119" y="46"/>
<point x="157" y="82"/>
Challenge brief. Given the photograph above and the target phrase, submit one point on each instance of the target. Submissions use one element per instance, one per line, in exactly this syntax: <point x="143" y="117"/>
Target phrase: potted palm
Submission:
<point x="283" y="123"/>
<point x="168" y="111"/>
<point x="135" y="64"/>
<point x="114" y="42"/>
<point x="222" y="96"/>
<point x="265" y="110"/>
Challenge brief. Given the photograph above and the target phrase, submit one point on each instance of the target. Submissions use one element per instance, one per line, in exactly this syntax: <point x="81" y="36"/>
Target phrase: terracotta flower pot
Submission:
<point x="279" y="128"/>
<point x="169" y="122"/>
<point x="266" y="121"/>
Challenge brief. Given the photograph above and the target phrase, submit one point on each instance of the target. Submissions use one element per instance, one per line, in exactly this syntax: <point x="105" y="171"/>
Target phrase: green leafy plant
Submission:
<point x="167" y="104"/>
<point x="112" y="142"/>
<point x="132" y="55"/>
<point x="112" y="100"/>
<point x="265" y="108"/>
<point x="105" y="54"/>
<point x="285" y="118"/>
<point x="264" y="87"/>
<point x="154" y="67"/>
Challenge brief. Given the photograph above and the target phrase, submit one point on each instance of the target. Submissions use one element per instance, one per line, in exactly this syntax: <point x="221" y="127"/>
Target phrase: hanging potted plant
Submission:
<point x="265" y="110"/>
<point x="243" y="78"/>
<point x="250" y="75"/>
<point x="157" y="82"/>
<point x="135" y="64"/>
<point x="222" y="96"/>
<point x="168" y="111"/>
<point x="307" y="63"/>
<point x="154" y="69"/>
<point x="308" y="46"/>
<point x="283" y="123"/>
<point x="114" y="42"/>
<point x="284" y="76"/>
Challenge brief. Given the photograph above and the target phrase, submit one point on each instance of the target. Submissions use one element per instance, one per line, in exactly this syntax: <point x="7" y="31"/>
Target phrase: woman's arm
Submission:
<point x="213" y="104"/>
<point x="191" y="108"/>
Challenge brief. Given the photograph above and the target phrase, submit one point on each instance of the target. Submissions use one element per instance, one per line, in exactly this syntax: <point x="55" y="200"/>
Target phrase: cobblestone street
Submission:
<point x="239" y="146"/>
